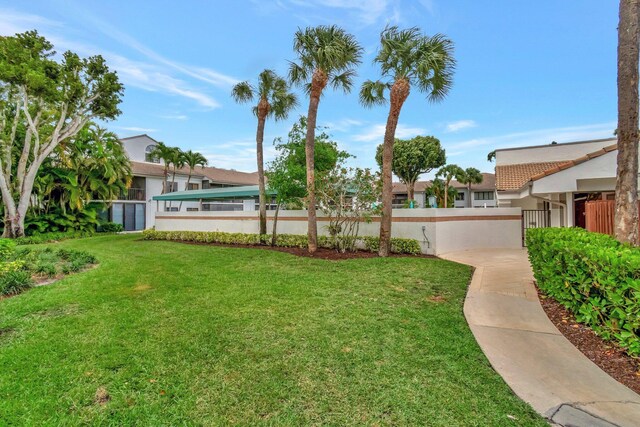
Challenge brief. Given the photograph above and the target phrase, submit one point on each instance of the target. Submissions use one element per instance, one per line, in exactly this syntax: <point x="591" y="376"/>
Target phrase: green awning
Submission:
<point x="213" y="194"/>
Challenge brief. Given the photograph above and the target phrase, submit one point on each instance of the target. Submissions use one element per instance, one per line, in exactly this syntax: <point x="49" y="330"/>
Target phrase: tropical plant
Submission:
<point x="274" y="100"/>
<point x="287" y="174"/>
<point x="491" y="156"/>
<point x="626" y="202"/>
<point x="413" y="157"/>
<point x="468" y="177"/>
<point x="438" y="191"/>
<point x="326" y="55"/>
<point x="406" y="58"/>
<point x="163" y="152"/>
<point x="192" y="160"/>
<point x="43" y="103"/>
<point x="447" y="174"/>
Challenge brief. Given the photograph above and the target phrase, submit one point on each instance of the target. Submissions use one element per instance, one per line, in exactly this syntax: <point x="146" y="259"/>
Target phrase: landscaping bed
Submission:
<point x="607" y="355"/>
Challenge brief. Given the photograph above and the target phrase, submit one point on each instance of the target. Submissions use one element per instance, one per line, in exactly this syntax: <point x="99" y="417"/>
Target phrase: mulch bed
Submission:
<point x="606" y="354"/>
<point x="321" y="253"/>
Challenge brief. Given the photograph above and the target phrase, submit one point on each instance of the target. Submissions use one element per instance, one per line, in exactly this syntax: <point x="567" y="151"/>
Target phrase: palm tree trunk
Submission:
<point x="469" y="195"/>
<point x="626" y="214"/>
<point x="318" y="82"/>
<point x="274" y="235"/>
<point x="410" y="190"/>
<point x="186" y="186"/>
<point x="260" y="156"/>
<point x="399" y="93"/>
<point x="446" y="193"/>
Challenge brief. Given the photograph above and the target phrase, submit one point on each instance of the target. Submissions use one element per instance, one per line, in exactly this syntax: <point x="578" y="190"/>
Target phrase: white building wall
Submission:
<point x="438" y="230"/>
<point x="549" y="153"/>
<point x="136" y="146"/>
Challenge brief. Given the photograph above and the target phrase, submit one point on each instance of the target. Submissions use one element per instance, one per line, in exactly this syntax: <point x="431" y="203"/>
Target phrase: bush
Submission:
<point x="592" y="275"/>
<point x="7" y="248"/>
<point x="110" y="227"/>
<point x="14" y="282"/>
<point x="399" y="246"/>
<point x="52" y="237"/>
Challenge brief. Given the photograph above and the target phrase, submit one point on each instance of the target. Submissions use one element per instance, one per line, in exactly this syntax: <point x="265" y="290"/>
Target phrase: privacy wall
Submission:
<point x="438" y="230"/>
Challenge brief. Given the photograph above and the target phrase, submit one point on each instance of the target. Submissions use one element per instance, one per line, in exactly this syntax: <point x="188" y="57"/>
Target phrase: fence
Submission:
<point x="599" y="216"/>
<point x="438" y="230"/>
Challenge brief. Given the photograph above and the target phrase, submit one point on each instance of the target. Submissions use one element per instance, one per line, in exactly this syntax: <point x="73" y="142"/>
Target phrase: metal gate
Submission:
<point x="534" y="218"/>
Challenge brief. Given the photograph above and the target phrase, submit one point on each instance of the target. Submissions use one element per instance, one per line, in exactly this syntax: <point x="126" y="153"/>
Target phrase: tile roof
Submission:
<point x="575" y="162"/>
<point x="488" y="183"/>
<point x="224" y="176"/>
<point x="514" y="177"/>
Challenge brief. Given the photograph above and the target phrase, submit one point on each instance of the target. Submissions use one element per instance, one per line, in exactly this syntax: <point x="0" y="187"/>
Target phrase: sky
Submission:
<point x="528" y="72"/>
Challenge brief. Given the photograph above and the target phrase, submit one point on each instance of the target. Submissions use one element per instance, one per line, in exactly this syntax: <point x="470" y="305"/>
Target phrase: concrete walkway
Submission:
<point x="541" y="366"/>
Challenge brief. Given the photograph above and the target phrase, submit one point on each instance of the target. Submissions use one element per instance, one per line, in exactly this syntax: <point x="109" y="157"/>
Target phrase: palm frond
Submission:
<point x="242" y="92"/>
<point x="372" y="93"/>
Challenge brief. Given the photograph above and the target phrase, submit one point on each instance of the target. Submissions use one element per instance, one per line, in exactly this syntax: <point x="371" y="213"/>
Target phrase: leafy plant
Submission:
<point x="15" y="282"/>
<point x="111" y="227"/>
<point x="594" y="276"/>
<point x="7" y="248"/>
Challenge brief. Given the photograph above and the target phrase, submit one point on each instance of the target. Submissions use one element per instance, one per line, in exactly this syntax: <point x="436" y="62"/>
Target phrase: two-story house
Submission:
<point x="482" y="195"/>
<point x="135" y="210"/>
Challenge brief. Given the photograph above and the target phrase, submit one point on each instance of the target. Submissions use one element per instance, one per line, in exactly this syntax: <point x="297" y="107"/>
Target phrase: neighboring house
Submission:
<point x="136" y="209"/>
<point x="482" y="195"/>
<point x="551" y="183"/>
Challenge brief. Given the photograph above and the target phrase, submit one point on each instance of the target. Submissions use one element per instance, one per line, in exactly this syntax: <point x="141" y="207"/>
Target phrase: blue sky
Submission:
<point x="529" y="72"/>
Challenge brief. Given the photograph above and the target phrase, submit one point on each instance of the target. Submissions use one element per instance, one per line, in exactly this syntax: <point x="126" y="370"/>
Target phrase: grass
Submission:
<point x="164" y="333"/>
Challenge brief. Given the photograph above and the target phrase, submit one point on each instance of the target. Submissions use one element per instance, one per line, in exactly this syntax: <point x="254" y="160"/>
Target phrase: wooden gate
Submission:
<point x="599" y="216"/>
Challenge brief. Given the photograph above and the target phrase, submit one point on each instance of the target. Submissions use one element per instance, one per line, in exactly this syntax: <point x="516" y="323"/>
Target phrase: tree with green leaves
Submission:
<point x="437" y="190"/>
<point x="407" y="58"/>
<point x="287" y="174"/>
<point x="626" y="201"/>
<point x="447" y="174"/>
<point x="163" y="152"/>
<point x="491" y="156"/>
<point x="413" y="157"/>
<point x="192" y="160"/>
<point x="274" y="100"/>
<point x="468" y="177"/>
<point x="44" y="102"/>
<point x="327" y="55"/>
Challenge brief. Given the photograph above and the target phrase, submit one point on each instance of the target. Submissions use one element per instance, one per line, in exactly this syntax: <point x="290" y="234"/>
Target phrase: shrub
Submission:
<point x="111" y="227"/>
<point x="7" y="248"/>
<point x="398" y="245"/>
<point x="52" y="237"/>
<point x="592" y="275"/>
<point x="14" y="282"/>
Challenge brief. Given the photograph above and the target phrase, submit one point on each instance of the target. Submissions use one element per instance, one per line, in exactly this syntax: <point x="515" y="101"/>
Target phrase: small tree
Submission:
<point x="192" y="160"/>
<point x="468" y="177"/>
<point x="349" y="197"/>
<point x="412" y="158"/>
<point x="437" y="190"/>
<point x="163" y="152"/>
<point x="447" y="173"/>
<point x="44" y="102"/>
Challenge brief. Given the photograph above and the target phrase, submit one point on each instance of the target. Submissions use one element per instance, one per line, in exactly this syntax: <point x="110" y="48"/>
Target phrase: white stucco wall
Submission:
<point x="445" y="230"/>
<point x="549" y="153"/>
<point x="136" y="147"/>
<point x="602" y="167"/>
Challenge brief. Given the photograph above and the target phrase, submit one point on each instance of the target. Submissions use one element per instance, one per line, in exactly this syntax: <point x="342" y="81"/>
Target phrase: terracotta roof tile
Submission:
<point x="224" y="176"/>
<point x="575" y="162"/>
<point x="514" y="177"/>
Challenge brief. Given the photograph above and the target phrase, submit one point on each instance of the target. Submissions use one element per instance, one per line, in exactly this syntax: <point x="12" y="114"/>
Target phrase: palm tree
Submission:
<point x="406" y="58"/>
<point x="326" y="55"/>
<point x="447" y="173"/>
<point x="274" y="100"/>
<point x="192" y="160"/>
<point x="470" y="176"/>
<point x="626" y="213"/>
<point x="165" y="153"/>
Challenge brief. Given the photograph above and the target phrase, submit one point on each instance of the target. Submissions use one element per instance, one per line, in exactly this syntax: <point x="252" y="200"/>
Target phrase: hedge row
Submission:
<point x="371" y="244"/>
<point x="592" y="275"/>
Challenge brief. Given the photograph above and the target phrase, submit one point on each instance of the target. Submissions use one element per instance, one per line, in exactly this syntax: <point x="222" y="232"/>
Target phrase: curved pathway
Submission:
<point x="539" y="364"/>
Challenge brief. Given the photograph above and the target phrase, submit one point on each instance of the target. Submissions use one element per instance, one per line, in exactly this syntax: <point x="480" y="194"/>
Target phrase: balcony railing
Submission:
<point x="134" y="194"/>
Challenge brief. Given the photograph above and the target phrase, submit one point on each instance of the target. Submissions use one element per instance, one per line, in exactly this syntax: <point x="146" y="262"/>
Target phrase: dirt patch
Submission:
<point x="436" y="298"/>
<point x="606" y="354"/>
<point x="321" y="253"/>
<point x="102" y="396"/>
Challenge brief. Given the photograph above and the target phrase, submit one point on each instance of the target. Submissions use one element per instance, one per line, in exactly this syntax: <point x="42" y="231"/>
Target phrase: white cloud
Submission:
<point x="539" y="137"/>
<point x="366" y="12"/>
<point x="460" y="125"/>
<point x="174" y="116"/>
<point x="376" y="133"/>
<point x="137" y="129"/>
<point x="342" y="125"/>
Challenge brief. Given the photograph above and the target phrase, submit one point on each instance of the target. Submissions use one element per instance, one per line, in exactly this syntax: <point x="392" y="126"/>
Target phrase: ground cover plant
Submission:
<point x="594" y="276"/>
<point x="172" y="334"/>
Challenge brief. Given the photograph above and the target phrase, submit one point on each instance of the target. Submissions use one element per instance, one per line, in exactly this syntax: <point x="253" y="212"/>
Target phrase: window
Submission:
<point x="205" y="184"/>
<point x="193" y="186"/>
<point x="459" y="196"/>
<point x="147" y="155"/>
<point x="172" y="186"/>
<point x="192" y="209"/>
<point x="483" y="195"/>
<point x="171" y="209"/>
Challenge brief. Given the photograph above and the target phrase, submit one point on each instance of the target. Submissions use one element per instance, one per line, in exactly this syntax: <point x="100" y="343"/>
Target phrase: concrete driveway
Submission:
<point x="539" y="364"/>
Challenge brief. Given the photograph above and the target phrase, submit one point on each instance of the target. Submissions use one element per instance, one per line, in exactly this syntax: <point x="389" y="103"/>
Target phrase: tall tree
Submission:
<point x="406" y="58"/>
<point x="626" y="210"/>
<point x="274" y="100"/>
<point x="470" y="176"/>
<point x="163" y="152"/>
<point x="446" y="174"/>
<point x="192" y="160"/>
<point x="51" y="101"/>
<point x="413" y="157"/>
<point x="326" y="55"/>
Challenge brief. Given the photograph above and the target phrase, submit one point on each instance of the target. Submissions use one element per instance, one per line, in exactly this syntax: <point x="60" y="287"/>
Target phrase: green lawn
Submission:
<point x="197" y="335"/>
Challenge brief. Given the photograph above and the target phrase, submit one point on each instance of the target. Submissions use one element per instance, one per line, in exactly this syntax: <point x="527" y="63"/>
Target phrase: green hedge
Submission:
<point x="594" y="276"/>
<point x="399" y="246"/>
